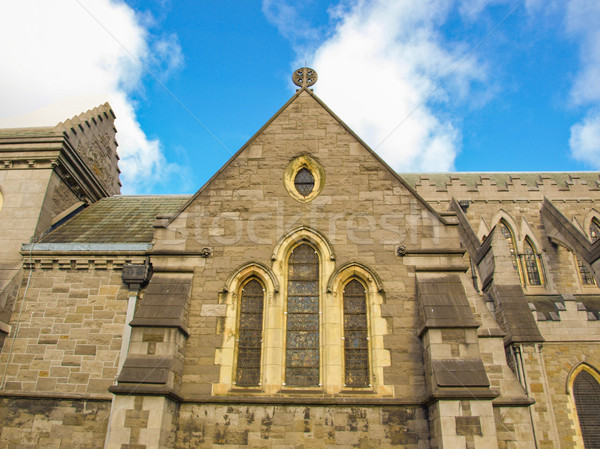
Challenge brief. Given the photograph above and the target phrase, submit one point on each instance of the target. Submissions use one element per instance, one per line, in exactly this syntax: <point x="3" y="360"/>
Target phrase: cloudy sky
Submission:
<point x="431" y="85"/>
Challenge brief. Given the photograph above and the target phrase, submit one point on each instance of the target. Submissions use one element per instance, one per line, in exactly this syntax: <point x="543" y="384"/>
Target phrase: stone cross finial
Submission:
<point x="304" y="77"/>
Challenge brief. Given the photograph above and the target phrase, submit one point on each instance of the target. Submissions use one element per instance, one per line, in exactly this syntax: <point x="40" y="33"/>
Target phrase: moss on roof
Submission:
<point x="118" y="219"/>
<point x="532" y="179"/>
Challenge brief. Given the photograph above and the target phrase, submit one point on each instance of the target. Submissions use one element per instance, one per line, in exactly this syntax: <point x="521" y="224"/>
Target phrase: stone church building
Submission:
<point x="307" y="296"/>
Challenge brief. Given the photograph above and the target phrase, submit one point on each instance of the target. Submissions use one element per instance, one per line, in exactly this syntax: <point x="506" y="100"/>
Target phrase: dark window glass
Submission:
<point x="586" y="392"/>
<point x="586" y="275"/>
<point x="250" y="335"/>
<point x="594" y="230"/>
<point x="304" y="182"/>
<point x="356" y="343"/>
<point x="508" y="235"/>
<point x="531" y="265"/>
<point x="302" y="342"/>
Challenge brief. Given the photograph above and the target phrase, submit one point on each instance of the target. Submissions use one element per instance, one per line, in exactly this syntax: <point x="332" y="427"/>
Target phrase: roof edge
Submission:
<point x="236" y="154"/>
<point x="27" y="248"/>
<point x="381" y="161"/>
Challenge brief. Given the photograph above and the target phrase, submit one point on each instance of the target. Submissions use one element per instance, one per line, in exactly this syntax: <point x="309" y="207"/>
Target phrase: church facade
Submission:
<point x="306" y="296"/>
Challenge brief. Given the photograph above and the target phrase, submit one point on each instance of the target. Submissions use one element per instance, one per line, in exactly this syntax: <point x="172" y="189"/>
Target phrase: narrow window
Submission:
<point x="586" y="275"/>
<point x="594" y="230"/>
<point x="356" y="344"/>
<point x="510" y="239"/>
<point x="531" y="265"/>
<point x="250" y="335"/>
<point x="304" y="181"/>
<point x="302" y="342"/>
<point x="586" y="392"/>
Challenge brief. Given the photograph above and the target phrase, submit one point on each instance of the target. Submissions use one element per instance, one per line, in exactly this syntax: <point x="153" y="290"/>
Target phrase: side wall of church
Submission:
<point x="69" y="332"/>
<point x="53" y="423"/>
<point x="318" y="427"/>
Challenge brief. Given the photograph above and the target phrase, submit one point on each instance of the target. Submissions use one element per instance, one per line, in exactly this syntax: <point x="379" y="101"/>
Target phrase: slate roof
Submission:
<point x="118" y="219"/>
<point x="532" y="179"/>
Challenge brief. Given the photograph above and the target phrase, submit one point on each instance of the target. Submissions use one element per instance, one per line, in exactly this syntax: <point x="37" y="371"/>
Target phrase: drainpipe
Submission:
<point x="517" y="352"/>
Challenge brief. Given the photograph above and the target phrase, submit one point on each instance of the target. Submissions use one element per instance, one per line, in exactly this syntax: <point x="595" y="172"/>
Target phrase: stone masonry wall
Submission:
<point x="521" y="204"/>
<point x="69" y="334"/>
<point x="363" y="210"/>
<point x="315" y="427"/>
<point x="558" y="361"/>
<point x="53" y="424"/>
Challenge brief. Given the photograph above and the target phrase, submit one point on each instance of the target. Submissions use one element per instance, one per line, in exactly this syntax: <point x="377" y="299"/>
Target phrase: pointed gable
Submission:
<point x="306" y="125"/>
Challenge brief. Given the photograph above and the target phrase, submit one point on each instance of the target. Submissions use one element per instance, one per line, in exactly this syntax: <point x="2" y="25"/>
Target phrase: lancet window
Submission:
<point x="585" y="273"/>
<point x="356" y="340"/>
<point x="586" y="393"/>
<point x="532" y="264"/>
<point x="250" y="334"/>
<point x="302" y="355"/>
<point x="510" y="239"/>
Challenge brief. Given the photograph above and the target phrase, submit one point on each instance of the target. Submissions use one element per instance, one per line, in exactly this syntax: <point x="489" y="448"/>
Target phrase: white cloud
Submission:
<point x="583" y="23"/>
<point x="585" y="140"/>
<point x="62" y="57"/>
<point x="380" y="73"/>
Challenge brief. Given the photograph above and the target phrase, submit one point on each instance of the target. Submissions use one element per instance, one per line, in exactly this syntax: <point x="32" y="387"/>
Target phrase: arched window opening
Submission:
<point x="510" y="239"/>
<point x="585" y="274"/>
<point x="302" y="356"/>
<point x="532" y="265"/>
<point x="586" y="393"/>
<point x="356" y="344"/>
<point x="250" y="334"/>
<point x="594" y="229"/>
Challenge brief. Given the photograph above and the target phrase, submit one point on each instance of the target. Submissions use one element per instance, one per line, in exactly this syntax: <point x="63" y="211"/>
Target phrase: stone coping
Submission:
<point x="36" y="248"/>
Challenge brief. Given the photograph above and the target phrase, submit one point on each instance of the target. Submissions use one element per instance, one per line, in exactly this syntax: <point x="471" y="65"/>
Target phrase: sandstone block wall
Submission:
<point x="53" y="423"/>
<point x="69" y="334"/>
<point x="270" y="426"/>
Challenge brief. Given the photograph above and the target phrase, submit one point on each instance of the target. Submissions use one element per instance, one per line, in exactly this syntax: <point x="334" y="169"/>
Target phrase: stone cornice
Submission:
<point x="51" y="150"/>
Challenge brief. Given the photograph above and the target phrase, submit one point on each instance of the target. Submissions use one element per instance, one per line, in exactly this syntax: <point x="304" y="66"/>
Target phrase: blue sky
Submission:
<point x="431" y="85"/>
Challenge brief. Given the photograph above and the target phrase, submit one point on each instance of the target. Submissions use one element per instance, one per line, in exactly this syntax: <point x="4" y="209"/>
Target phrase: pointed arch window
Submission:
<point x="302" y="355"/>
<point x="250" y="334"/>
<point x="586" y="393"/>
<point x="356" y="341"/>
<point x="510" y="239"/>
<point x="594" y="229"/>
<point x="532" y="264"/>
<point x="585" y="273"/>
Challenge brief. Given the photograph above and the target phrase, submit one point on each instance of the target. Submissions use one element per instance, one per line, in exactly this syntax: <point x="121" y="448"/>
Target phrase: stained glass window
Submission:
<point x="304" y="182"/>
<point x="531" y="265"/>
<point x="250" y="334"/>
<point x="356" y="344"/>
<point x="302" y="343"/>
<point x="508" y="235"/>
<point x="586" y="392"/>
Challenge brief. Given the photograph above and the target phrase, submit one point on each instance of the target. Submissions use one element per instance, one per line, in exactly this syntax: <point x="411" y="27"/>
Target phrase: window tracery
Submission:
<point x="532" y="264"/>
